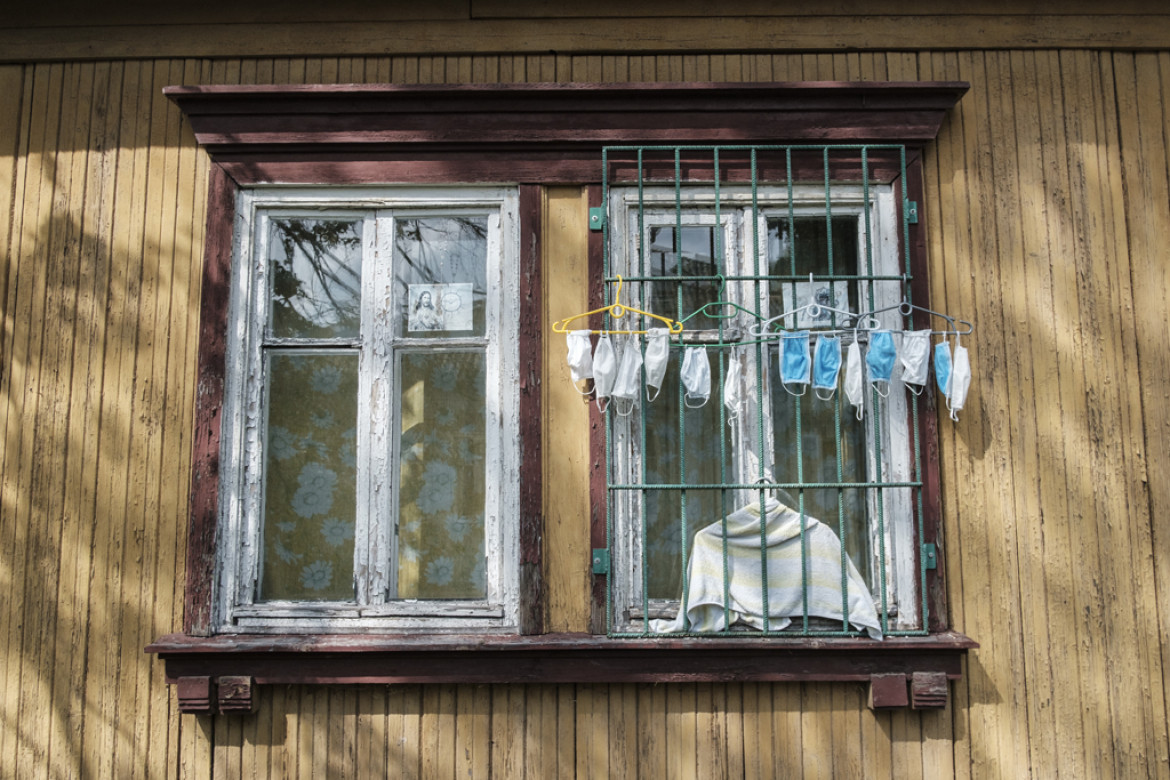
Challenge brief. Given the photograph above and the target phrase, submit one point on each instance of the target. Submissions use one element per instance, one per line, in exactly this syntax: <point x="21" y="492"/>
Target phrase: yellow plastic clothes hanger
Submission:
<point x="617" y="310"/>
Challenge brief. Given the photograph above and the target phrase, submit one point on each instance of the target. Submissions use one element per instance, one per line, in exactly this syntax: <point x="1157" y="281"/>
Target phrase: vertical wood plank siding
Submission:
<point x="1048" y="205"/>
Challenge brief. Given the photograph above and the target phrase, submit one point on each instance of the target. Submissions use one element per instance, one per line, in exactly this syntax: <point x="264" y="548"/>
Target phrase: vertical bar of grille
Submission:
<point x="682" y="406"/>
<point x="761" y="371"/>
<point x="645" y="568"/>
<point x="609" y="499"/>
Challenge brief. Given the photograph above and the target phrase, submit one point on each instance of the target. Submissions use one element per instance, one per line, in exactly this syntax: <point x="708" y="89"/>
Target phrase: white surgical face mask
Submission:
<point x="580" y="356"/>
<point x="915" y="359"/>
<point x="960" y="381"/>
<point x="731" y="388"/>
<point x="657" y="355"/>
<point x="628" y="384"/>
<point x="696" y="377"/>
<point x="604" y="371"/>
<point x="854" y="383"/>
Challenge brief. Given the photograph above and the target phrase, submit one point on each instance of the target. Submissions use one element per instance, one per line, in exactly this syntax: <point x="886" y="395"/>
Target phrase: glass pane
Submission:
<point x="698" y="259"/>
<point x="664" y="465"/>
<point x="309" y="490"/>
<point x="442" y="275"/>
<point x="809" y="253"/>
<point x="817" y="452"/>
<point x="441" y="476"/>
<point x="316" y="267"/>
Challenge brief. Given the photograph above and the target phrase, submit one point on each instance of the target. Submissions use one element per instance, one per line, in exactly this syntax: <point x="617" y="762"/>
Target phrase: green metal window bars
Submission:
<point x="784" y="206"/>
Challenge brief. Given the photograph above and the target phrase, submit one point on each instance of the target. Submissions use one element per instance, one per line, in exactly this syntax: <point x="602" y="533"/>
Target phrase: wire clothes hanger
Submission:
<point x="617" y="310"/>
<point x="817" y="310"/>
<point x="716" y="310"/>
<point x="905" y="308"/>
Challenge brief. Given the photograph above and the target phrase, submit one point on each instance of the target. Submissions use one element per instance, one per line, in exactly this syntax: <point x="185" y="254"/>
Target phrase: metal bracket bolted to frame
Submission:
<point x="597" y="218"/>
<point x="929" y="556"/>
<point x="912" y="212"/>
<point x="601" y="561"/>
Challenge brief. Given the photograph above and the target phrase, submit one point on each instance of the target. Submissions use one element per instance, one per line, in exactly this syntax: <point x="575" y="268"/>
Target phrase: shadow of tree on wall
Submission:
<point x="98" y="357"/>
<point x="1055" y="246"/>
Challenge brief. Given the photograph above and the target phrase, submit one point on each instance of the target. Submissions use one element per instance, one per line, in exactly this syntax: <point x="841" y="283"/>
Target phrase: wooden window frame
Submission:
<point x="529" y="136"/>
<point x="236" y="607"/>
<point x="698" y="202"/>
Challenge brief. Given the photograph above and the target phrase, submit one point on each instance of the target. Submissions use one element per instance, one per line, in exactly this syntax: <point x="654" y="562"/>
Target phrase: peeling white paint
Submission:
<point x="379" y="349"/>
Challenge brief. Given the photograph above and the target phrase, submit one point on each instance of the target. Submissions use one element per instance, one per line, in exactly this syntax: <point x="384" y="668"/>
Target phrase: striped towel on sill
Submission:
<point x="785" y="595"/>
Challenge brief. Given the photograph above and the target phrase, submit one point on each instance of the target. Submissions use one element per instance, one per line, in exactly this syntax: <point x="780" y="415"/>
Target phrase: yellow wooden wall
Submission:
<point x="1048" y="205"/>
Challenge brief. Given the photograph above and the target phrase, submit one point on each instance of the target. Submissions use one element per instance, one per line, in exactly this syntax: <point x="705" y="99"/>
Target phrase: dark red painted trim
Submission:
<point x="936" y="597"/>
<point x="531" y="335"/>
<point x="557" y="166"/>
<point x="598" y="487"/>
<point x="552" y="658"/>
<point x="545" y="133"/>
<point x="213" y="321"/>
<point x="540" y="134"/>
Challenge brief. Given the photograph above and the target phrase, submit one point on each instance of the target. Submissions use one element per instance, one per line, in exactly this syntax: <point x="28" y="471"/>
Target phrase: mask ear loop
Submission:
<point x="617" y="407"/>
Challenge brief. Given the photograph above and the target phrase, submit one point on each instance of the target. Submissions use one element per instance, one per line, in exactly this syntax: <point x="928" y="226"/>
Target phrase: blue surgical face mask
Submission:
<point x="826" y="366"/>
<point x="879" y="359"/>
<point x="795" y="365"/>
<point x="942" y="366"/>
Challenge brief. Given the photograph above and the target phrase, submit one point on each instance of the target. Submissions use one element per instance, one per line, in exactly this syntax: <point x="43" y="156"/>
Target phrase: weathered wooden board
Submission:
<point x="458" y="40"/>
<point x="1048" y="207"/>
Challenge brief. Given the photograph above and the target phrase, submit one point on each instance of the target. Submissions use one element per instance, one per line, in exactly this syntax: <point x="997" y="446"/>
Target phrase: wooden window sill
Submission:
<point x="221" y="672"/>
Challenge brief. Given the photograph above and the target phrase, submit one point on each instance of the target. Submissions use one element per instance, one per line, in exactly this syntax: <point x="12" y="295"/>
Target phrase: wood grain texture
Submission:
<point x="459" y="41"/>
<point x="1047" y="206"/>
<point x="567" y="570"/>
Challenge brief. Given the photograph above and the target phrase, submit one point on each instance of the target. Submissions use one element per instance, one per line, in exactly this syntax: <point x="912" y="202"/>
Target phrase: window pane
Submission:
<point x="309" y="490"/>
<point x="698" y="259"/>
<point x="817" y="453"/>
<point x="665" y="451"/>
<point x="442" y="275"/>
<point x="808" y="254"/>
<point x="441" y="496"/>
<point x="316" y="267"/>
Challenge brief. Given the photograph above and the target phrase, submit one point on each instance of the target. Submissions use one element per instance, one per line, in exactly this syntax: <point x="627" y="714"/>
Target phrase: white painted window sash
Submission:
<point x="378" y="349"/>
